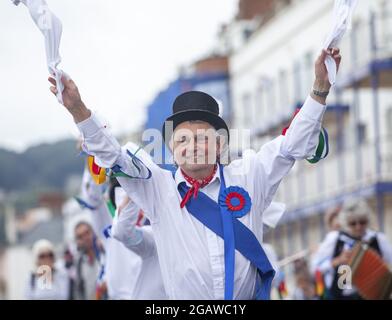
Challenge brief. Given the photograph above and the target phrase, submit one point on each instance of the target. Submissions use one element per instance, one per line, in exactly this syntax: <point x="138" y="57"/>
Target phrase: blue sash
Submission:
<point x="235" y="235"/>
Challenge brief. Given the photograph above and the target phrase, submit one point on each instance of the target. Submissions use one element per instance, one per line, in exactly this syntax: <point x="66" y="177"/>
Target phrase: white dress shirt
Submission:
<point x="191" y="256"/>
<point x="140" y="241"/>
<point x="58" y="289"/>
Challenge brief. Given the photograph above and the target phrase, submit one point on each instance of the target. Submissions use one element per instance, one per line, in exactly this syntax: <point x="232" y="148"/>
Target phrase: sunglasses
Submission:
<point x="360" y="222"/>
<point x="46" y="255"/>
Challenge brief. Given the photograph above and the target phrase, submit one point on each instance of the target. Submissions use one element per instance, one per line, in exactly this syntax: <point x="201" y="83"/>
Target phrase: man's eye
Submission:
<point x="181" y="139"/>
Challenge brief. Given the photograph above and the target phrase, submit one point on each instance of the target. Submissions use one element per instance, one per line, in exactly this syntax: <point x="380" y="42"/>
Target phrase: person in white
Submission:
<point x="139" y="239"/>
<point x="48" y="281"/>
<point x="335" y="250"/>
<point x="191" y="255"/>
<point x="126" y="275"/>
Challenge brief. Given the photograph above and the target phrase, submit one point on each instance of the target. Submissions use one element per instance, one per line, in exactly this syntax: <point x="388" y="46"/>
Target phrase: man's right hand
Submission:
<point x="71" y="99"/>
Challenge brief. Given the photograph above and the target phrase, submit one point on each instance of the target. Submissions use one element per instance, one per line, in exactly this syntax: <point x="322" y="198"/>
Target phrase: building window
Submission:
<point x="259" y="106"/>
<point x="271" y="104"/>
<point x="246" y="110"/>
<point x="389" y="122"/>
<point x="297" y="82"/>
<point x="304" y="233"/>
<point x="284" y="101"/>
<point x="307" y="74"/>
<point x="267" y="98"/>
<point x="361" y="133"/>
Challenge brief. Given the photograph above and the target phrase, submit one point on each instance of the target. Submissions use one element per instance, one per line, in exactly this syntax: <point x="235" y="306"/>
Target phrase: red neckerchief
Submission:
<point x="195" y="185"/>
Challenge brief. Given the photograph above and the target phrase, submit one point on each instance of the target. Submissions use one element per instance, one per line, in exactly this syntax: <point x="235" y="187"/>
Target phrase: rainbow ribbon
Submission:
<point x="97" y="173"/>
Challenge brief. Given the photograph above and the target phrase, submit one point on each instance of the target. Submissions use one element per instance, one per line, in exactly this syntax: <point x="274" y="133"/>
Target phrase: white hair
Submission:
<point x="42" y="246"/>
<point x="354" y="209"/>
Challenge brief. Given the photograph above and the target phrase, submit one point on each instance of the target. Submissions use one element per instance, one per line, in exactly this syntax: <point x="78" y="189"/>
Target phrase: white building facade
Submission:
<point x="271" y="75"/>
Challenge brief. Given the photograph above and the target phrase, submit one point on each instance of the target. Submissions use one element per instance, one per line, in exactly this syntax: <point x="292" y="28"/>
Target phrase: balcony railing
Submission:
<point x="369" y="39"/>
<point x="277" y="94"/>
<point x="340" y="173"/>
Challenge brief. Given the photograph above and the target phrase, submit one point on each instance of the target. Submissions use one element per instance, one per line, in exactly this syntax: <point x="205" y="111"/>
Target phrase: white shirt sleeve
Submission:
<point x="93" y="195"/>
<point x="28" y="292"/>
<point x="90" y="192"/>
<point x="265" y="169"/>
<point x="385" y="247"/>
<point x="135" y="162"/>
<point x="101" y="221"/>
<point x="273" y="214"/>
<point x="322" y="258"/>
<point x="301" y="140"/>
<point x="64" y="285"/>
<point x="140" y="240"/>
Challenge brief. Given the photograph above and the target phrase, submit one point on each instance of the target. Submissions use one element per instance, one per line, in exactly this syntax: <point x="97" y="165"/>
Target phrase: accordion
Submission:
<point x="370" y="274"/>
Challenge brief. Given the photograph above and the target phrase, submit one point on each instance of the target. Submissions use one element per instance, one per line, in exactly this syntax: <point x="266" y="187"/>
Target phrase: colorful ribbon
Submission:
<point x="98" y="174"/>
<point x="322" y="149"/>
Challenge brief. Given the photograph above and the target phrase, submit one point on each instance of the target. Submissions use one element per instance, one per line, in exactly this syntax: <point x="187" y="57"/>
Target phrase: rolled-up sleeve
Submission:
<point x="386" y="248"/>
<point x="302" y="137"/>
<point x="99" y="142"/>
<point x="275" y="158"/>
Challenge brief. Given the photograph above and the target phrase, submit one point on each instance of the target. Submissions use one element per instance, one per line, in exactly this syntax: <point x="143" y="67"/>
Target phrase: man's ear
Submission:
<point x="222" y="149"/>
<point x="218" y="147"/>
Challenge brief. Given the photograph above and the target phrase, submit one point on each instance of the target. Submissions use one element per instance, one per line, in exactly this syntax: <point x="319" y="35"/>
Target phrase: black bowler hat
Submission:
<point x="196" y="105"/>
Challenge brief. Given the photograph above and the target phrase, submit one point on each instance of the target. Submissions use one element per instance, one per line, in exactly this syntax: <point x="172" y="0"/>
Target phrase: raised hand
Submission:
<point x="71" y="99"/>
<point x="321" y="82"/>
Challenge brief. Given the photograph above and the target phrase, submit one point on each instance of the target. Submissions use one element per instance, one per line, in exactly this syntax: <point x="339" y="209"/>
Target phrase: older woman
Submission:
<point x="335" y="250"/>
<point x="46" y="282"/>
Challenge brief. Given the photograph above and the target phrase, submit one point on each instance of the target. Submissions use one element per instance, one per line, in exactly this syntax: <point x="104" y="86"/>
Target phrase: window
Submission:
<point x="267" y="98"/>
<point x="246" y="110"/>
<point x="271" y="103"/>
<point x="389" y="122"/>
<point x="259" y="106"/>
<point x="308" y="74"/>
<point x="283" y="92"/>
<point x="361" y="133"/>
<point x="297" y="82"/>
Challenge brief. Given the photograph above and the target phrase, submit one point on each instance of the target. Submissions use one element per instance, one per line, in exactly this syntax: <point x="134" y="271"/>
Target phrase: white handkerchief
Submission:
<point x="342" y="14"/>
<point x="51" y="28"/>
<point x="273" y="214"/>
<point x="119" y="196"/>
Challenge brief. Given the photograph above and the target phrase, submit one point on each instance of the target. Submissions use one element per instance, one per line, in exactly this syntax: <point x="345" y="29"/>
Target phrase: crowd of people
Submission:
<point x="117" y="258"/>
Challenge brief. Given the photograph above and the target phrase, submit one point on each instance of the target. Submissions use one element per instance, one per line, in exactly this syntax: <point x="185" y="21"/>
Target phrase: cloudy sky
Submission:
<point x="120" y="54"/>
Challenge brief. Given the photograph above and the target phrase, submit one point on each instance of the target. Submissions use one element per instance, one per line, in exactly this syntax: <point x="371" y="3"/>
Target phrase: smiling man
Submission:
<point x="206" y="217"/>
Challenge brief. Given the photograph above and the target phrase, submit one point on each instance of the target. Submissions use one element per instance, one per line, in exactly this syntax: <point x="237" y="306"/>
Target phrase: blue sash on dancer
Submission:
<point x="224" y="222"/>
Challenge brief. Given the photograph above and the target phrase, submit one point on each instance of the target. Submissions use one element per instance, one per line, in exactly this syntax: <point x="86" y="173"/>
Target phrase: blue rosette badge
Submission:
<point x="235" y="200"/>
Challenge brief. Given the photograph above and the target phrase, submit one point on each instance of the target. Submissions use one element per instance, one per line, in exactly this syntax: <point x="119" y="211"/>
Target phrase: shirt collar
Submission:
<point x="179" y="178"/>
